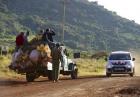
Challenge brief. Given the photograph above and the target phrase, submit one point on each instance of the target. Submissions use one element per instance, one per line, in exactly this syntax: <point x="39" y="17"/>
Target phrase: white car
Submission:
<point x="120" y="62"/>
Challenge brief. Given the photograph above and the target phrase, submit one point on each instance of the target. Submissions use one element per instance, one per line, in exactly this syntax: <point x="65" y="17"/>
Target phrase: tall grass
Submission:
<point x="4" y="70"/>
<point x="91" y="66"/>
<point x="86" y="66"/>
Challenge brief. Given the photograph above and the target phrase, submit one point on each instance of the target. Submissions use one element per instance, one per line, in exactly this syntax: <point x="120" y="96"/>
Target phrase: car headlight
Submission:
<point x="128" y="66"/>
<point x="109" y="66"/>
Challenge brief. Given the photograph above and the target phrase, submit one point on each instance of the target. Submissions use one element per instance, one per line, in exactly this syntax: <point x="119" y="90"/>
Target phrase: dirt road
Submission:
<point x="100" y="86"/>
<point x="92" y="86"/>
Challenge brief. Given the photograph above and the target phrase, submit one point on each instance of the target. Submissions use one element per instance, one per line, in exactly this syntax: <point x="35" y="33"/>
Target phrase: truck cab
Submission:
<point x="67" y="66"/>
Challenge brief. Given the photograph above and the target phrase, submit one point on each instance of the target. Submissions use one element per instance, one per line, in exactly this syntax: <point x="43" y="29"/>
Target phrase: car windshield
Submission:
<point x="120" y="57"/>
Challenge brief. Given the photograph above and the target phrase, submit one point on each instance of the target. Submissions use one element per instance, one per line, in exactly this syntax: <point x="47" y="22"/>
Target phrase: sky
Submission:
<point x="129" y="9"/>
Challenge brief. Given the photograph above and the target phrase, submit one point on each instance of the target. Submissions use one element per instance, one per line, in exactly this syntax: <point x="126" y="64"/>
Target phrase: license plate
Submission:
<point x="119" y="68"/>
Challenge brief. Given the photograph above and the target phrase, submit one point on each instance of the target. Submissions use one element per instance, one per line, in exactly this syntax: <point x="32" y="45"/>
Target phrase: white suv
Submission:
<point x="120" y="62"/>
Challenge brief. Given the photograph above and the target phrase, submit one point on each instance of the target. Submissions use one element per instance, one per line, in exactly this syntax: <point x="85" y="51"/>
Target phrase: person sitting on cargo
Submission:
<point x="41" y="32"/>
<point x="20" y="40"/>
<point x="26" y="37"/>
<point x="47" y="37"/>
<point x="50" y="33"/>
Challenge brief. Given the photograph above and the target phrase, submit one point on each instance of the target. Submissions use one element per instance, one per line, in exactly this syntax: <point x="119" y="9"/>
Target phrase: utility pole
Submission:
<point x="117" y="32"/>
<point x="63" y="23"/>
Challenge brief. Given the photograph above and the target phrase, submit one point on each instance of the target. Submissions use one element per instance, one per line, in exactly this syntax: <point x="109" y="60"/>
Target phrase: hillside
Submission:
<point x="89" y="26"/>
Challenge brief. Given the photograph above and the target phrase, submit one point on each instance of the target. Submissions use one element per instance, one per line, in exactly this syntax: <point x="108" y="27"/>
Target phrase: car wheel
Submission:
<point x="131" y="74"/>
<point x="108" y="74"/>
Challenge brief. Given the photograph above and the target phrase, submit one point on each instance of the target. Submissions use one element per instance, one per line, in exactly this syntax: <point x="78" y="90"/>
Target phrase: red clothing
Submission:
<point x="20" y="40"/>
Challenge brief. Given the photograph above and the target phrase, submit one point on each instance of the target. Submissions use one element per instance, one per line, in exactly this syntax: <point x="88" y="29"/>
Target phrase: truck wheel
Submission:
<point x="108" y="74"/>
<point x="50" y="75"/>
<point x="30" y="77"/>
<point x="74" y="74"/>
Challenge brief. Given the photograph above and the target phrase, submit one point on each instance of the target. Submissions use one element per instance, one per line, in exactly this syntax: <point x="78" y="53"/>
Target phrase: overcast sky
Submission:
<point x="126" y="8"/>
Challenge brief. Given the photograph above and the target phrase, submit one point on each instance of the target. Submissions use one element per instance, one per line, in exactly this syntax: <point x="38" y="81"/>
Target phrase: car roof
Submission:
<point x="120" y="52"/>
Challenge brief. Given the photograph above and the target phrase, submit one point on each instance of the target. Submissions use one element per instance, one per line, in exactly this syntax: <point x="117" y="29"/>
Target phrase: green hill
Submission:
<point x="89" y="26"/>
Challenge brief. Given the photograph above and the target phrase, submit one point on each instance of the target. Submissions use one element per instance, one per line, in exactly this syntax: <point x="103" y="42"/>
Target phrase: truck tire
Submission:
<point x="30" y="77"/>
<point x="108" y="74"/>
<point x="50" y="75"/>
<point x="74" y="73"/>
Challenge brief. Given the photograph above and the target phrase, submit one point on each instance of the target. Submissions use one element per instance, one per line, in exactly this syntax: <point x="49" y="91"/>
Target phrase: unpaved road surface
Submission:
<point x="88" y="86"/>
<point x="94" y="86"/>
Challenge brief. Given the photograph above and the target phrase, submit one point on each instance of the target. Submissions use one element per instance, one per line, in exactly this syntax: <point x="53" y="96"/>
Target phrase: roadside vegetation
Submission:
<point x="86" y="66"/>
<point x="88" y="25"/>
<point x="4" y="70"/>
<point x="90" y="66"/>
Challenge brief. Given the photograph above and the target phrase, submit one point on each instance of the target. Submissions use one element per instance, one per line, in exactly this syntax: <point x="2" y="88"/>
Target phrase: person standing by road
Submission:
<point x="56" y="55"/>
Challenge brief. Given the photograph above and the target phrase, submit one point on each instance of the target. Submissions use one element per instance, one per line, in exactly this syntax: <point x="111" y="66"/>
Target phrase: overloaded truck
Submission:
<point x="37" y="62"/>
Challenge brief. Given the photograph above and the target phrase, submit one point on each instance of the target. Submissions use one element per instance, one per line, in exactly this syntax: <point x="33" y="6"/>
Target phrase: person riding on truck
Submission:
<point x="50" y="33"/>
<point x="26" y="35"/>
<point x="47" y="37"/>
<point x="20" y="40"/>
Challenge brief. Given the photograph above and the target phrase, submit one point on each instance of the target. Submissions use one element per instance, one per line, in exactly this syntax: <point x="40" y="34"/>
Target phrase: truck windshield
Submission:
<point x="120" y="57"/>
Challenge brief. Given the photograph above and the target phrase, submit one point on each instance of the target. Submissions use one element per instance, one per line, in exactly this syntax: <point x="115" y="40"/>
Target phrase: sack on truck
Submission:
<point x="30" y="55"/>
